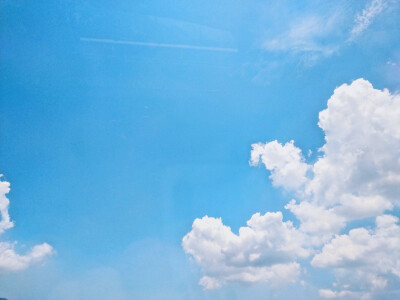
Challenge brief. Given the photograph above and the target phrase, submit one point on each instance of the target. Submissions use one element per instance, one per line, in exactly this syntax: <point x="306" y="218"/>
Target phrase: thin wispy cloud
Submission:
<point x="363" y="21"/>
<point x="158" y="45"/>
<point x="314" y="37"/>
<point x="308" y="38"/>
<point x="304" y="36"/>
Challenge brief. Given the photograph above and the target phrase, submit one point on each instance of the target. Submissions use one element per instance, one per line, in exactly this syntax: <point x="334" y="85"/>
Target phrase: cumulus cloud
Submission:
<point x="263" y="251"/>
<point x="356" y="176"/>
<point x="5" y="222"/>
<point x="9" y="259"/>
<point x="317" y="222"/>
<point x="361" y="154"/>
<point x="285" y="162"/>
<point x="364" y="256"/>
<point x="12" y="261"/>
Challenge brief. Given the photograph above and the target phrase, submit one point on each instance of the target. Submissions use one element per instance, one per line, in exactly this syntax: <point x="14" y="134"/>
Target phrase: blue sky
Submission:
<point x="122" y="122"/>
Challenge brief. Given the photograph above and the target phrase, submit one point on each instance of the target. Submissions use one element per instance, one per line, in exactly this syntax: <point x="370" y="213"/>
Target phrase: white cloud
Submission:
<point x="264" y="251"/>
<point x="317" y="222"/>
<point x="364" y="20"/>
<point x="306" y="36"/>
<point x="5" y="222"/>
<point x="286" y="163"/>
<point x="364" y="258"/>
<point x="357" y="176"/>
<point x="330" y="294"/>
<point x="327" y="294"/>
<point x="9" y="259"/>
<point x="362" y="150"/>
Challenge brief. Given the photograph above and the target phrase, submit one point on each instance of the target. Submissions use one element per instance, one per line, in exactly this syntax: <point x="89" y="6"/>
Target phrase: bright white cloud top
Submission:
<point x="265" y="250"/>
<point x="356" y="177"/>
<point x="10" y="260"/>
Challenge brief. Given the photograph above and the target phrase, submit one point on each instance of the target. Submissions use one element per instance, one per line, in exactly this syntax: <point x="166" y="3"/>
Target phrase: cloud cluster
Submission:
<point x="5" y="222"/>
<point x="10" y="260"/>
<point x="264" y="250"/>
<point x="357" y="176"/>
<point x="364" y="257"/>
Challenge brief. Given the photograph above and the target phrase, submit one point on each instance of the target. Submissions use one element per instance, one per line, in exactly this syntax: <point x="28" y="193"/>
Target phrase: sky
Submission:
<point x="199" y="150"/>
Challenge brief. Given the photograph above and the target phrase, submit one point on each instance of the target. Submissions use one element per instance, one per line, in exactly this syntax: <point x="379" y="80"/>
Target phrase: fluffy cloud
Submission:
<point x="285" y="162"/>
<point x="362" y="150"/>
<point x="358" y="173"/>
<point x="364" y="259"/>
<point x="5" y="222"/>
<point x="316" y="222"/>
<point x="375" y="251"/>
<point x="9" y="259"/>
<point x="263" y="251"/>
<point x="356" y="176"/>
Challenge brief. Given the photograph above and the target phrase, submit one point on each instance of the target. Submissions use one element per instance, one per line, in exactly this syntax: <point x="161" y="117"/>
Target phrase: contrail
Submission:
<point x="160" y="45"/>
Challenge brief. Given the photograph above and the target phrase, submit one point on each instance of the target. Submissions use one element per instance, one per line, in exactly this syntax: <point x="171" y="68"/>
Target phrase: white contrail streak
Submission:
<point x="181" y="46"/>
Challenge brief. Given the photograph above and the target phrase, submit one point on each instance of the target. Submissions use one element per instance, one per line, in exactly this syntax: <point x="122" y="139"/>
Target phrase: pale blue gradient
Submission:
<point x="113" y="149"/>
